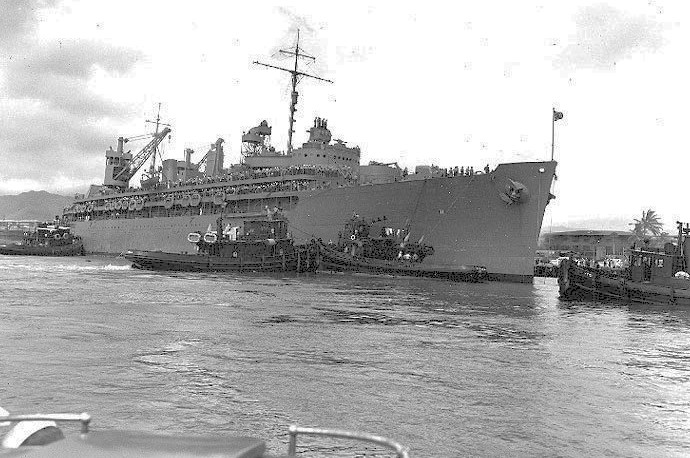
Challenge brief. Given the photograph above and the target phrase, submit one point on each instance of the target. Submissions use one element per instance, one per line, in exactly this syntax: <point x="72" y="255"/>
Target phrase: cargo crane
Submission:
<point x="385" y="164"/>
<point x="213" y="159"/>
<point x="121" y="166"/>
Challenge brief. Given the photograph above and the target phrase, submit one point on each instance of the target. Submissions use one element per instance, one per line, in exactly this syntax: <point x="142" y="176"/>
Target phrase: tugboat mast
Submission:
<point x="296" y="74"/>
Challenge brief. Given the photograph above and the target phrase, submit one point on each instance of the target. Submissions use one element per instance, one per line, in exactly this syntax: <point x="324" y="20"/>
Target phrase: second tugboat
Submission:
<point x="262" y="244"/>
<point x="654" y="277"/>
<point x="46" y="240"/>
<point x="361" y="249"/>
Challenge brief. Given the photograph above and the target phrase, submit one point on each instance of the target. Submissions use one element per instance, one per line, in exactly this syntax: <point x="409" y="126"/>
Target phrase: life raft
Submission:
<point x="219" y="198"/>
<point x="193" y="237"/>
<point x="139" y="205"/>
<point x="195" y="199"/>
<point x="169" y="202"/>
<point x="210" y="237"/>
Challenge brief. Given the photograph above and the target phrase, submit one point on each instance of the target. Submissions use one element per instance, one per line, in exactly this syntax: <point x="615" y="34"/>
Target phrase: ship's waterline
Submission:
<point x="464" y="218"/>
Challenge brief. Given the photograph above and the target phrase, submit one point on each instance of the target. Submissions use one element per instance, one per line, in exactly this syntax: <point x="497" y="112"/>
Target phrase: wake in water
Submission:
<point x="58" y="265"/>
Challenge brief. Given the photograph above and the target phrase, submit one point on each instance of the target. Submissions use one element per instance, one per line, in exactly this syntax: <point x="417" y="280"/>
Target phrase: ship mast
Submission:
<point x="158" y="123"/>
<point x="296" y="78"/>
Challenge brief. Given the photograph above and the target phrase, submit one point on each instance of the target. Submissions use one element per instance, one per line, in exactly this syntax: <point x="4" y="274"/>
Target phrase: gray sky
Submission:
<point x="415" y="82"/>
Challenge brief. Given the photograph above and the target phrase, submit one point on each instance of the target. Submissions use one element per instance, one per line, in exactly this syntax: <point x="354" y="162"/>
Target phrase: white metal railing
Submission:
<point x="83" y="418"/>
<point x="400" y="451"/>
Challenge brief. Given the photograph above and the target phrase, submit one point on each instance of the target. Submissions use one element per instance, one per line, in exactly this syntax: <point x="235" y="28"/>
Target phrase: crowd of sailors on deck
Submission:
<point x="215" y="193"/>
<point x="251" y="174"/>
<point x="274" y="186"/>
<point x="463" y="171"/>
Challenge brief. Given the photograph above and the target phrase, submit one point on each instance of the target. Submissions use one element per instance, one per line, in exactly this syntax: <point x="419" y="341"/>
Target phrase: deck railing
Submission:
<point x="401" y="452"/>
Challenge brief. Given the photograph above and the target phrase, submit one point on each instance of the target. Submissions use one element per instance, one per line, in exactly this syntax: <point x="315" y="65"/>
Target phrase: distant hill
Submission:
<point x="33" y="205"/>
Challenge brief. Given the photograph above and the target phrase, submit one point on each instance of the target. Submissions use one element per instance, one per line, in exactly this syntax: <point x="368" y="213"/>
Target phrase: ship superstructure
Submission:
<point x="489" y="217"/>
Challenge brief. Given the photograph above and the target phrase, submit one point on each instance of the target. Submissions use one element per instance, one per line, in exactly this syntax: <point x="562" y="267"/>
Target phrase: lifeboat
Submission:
<point x="219" y="198"/>
<point x="184" y="202"/>
<point x="195" y="199"/>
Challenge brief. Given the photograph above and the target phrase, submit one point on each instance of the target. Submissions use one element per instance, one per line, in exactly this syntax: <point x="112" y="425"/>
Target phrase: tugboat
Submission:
<point x="46" y="240"/>
<point x="361" y="248"/>
<point x="262" y="244"/>
<point x="40" y="436"/>
<point x="654" y="277"/>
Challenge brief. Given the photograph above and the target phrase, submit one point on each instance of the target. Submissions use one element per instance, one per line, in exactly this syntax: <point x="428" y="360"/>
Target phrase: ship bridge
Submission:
<point x="317" y="150"/>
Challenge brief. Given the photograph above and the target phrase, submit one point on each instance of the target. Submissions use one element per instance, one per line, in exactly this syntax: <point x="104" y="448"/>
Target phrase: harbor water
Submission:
<point x="448" y="369"/>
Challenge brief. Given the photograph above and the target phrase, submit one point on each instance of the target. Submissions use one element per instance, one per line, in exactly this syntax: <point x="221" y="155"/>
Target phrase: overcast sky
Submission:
<point x="415" y="82"/>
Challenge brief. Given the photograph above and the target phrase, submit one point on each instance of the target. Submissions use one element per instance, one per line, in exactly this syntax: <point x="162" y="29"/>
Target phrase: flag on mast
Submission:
<point x="557" y="115"/>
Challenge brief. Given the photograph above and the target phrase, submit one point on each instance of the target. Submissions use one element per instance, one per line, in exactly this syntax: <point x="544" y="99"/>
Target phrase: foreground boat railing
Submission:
<point x="84" y="418"/>
<point x="295" y="430"/>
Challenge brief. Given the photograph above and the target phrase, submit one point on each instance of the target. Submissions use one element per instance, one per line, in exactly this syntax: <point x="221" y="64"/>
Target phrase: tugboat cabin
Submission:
<point x="259" y="237"/>
<point x="262" y="229"/>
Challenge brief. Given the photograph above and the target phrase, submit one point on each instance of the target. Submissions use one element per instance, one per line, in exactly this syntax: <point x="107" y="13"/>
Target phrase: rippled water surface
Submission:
<point x="448" y="369"/>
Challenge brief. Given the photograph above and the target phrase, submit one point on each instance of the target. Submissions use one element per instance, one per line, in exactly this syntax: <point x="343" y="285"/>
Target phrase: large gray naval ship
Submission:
<point x="488" y="218"/>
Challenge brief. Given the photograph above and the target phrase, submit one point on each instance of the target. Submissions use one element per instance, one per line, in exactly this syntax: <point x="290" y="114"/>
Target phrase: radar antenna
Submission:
<point x="296" y="74"/>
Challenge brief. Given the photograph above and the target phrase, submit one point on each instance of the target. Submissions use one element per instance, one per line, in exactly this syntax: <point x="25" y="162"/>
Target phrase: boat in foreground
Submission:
<point x="39" y="436"/>
<point x="258" y="244"/>
<point x="373" y="246"/>
<point x="46" y="240"/>
<point x="654" y="276"/>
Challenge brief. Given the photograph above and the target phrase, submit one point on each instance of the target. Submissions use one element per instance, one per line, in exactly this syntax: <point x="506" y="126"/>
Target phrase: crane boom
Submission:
<point x="142" y="156"/>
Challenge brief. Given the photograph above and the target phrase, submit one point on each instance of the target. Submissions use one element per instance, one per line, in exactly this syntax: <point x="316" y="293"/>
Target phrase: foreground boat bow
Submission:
<point x="133" y="443"/>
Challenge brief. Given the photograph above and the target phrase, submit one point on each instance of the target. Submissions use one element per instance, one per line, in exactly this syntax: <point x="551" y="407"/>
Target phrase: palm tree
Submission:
<point x="648" y="225"/>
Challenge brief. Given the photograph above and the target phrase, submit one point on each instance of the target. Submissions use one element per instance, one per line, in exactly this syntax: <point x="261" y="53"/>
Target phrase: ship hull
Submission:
<point x="467" y="219"/>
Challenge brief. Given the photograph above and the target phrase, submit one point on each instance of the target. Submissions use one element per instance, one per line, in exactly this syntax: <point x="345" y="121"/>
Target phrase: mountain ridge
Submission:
<point x="32" y="205"/>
